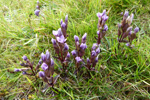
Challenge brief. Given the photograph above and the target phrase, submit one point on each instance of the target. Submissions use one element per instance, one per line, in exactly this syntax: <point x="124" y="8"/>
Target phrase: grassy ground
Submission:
<point x="127" y="72"/>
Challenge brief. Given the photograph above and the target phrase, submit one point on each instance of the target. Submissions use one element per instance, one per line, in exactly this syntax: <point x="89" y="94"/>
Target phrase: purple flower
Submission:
<point x="66" y="19"/>
<point x="52" y="62"/>
<point x="84" y="38"/>
<point x="25" y="58"/>
<point x="43" y="57"/>
<point x="98" y="50"/>
<point x="66" y="47"/>
<point x="105" y="27"/>
<point x="41" y="74"/>
<point x="24" y="73"/>
<point x="74" y="53"/>
<point x="53" y="41"/>
<point x="96" y="59"/>
<point x="93" y="53"/>
<point x="37" y="7"/>
<point x="136" y="30"/>
<point x="128" y="44"/>
<point x="129" y="19"/>
<point x="99" y="15"/>
<point x="63" y="25"/>
<point x="17" y="70"/>
<point x="61" y="39"/>
<point x="97" y="32"/>
<point x="83" y="46"/>
<point x="61" y="21"/>
<point x="68" y="55"/>
<point x="47" y="55"/>
<point x="44" y="66"/>
<point x="88" y="61"/>
<point x="129" y="29"/>
<point x="78" y="59"/>
<point x="36" y="12"/>
<point x="126" y="14"/>
<point x="105" y="17"/>
<point x="57" y="33"/>
<point x="40" y="61"/>
<point x="104" y="12"/>
<point x="94" y="46"/>
<point x="76" y="38"/>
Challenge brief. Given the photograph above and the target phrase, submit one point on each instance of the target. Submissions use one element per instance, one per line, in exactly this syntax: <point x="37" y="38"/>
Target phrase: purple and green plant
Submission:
<point x="60" y="46"/>
<point x="125" y="30"/>
<point x="102" y="27"/>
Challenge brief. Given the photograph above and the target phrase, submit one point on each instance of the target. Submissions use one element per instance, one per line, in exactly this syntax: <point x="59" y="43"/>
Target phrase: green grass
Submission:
<point x="127" y="72"/>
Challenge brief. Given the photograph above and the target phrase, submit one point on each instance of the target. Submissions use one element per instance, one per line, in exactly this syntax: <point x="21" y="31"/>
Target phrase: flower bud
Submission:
<point x="53" y="41"/>
<point x="98" y="32"/>
<point x="88" y="61"/>
<point x="93" y="53"/>
<point x="36" y="12"/>
<point x="61" y="21"/>
<point x="40" y="61"/>
<point x="78" y="59"/>
<point x="98" y="50"/>
<point x="52" y="62"/>
<point x="76" y="38"/>
<point x="41" y="74"/>
<point x="17" y="70"/>
<point x="47" y="55"/>
<point x="126" y="14"/>
<point x="63" y="25"/>
<point x="43" y="57"/>
<point x="44" y="66"/>
<point x="104" y="12"/>
<point x="25" y="58"/>
<point x="105" y="27"/>
<point x="96" y="59"/>
<point x="128" y="44"/>
<point x="84" y="38"/>
<point x="24" y="73"/>
<point x="105" y="17"/>
<point x="68" y="55"/>
<point x="74" y="53"/>
<point x="136" y="30"/>
<point x="66" y="20"/>
<point x="99" y="15"/>
<point x="94" y="46"/>
<point x="83" y="46"/>
<point x="61" y="39"/>
<point x="66" y="47"/>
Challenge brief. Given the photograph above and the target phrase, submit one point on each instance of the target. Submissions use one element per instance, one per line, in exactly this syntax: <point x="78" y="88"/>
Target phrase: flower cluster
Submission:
<point x="37" y="11"/>
<point x="48" y="68"/>
<point x="125" y="29"/>
<point x="62" y="49"/>
<point x="80" y="49"/>
<point x="91" y="62"/>
<point x="28" y="67"/>
<point x="60" y="46"/>
<point x="102" y="27"/>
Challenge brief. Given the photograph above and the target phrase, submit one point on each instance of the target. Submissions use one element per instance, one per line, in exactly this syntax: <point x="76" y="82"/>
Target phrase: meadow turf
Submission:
<point x="123" y="74"/>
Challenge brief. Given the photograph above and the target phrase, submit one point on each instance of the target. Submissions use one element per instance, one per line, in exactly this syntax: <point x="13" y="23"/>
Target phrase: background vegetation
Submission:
<point x="123" y="73"/>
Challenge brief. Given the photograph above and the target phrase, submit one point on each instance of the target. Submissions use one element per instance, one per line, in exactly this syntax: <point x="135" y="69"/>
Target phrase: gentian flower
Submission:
<point x="43" y="57"/>
<point x="76" y="38"/>
<point x="36" y="12"/>
<point x="83" y="46"/>
<point x="84" y="38"/>
<point x="44" y="66"/>
<point x="78" y="59"/>
<point x="41" y="74"/>
<point x="25" y="58"/>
